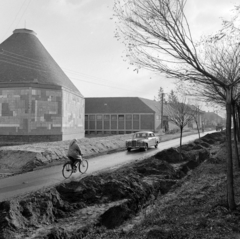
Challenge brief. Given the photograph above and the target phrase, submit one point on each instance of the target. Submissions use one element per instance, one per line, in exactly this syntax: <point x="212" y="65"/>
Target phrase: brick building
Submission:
<point x="38" y="102"/>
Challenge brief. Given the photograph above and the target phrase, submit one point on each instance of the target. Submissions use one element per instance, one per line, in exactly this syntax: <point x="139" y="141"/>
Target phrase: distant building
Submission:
<point x="38" y="102"/>
<point x="212" y="119"/>
<point x="121" y="115"/>
<point x="199" y="118"/>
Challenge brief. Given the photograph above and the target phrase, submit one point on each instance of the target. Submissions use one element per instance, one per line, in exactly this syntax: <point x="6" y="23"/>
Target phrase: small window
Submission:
<point x="121" y="117"/>
<point x="92" y="117"/>
<point x="114" y="118"/>
<point x="99" y="117"/>
<point x="128" y="117"/>
<point x="135" y="117"/>
<point x="107" y="117"/>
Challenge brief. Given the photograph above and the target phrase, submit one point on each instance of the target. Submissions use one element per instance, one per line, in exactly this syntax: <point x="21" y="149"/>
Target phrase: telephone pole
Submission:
<point x="162" y="110"/>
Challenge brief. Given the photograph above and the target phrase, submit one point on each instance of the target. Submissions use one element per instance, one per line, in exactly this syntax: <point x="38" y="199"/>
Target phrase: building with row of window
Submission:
<point x="121" y="115"/>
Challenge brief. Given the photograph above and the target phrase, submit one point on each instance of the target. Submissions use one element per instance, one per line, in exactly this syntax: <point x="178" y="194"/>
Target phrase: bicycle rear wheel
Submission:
<point x="67" y="170"/>
<point x="83" y="166"/>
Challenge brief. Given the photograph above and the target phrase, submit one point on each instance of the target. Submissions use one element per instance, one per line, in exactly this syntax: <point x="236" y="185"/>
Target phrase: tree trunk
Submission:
<point x="235" y="137"/>
<point x="230" y="189"/>
<point x="198" y="129"/>
<point x="180" y="148"/>
<point x="236" y="122"/>
<point x="181" y="130"/>
<point x="238" y="111"/>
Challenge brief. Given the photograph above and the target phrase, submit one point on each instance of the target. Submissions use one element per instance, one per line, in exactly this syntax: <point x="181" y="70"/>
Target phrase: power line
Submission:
<point x="18" y="56"/>
<point x="31" y="65"/>
<point x="27" y="60"/>
<point x="22" y="60"/>
<point x="15" y="18"/>
<point x="21" y="56"/>
<point x="88" y="76"/>
<point x="104" y="85"/>
<point x="16" y="64"/>
<point x="74" y="78"/>
<point x="24" y="11"/>
<point x="84" y="74"/>
<point x="96" y="78"/>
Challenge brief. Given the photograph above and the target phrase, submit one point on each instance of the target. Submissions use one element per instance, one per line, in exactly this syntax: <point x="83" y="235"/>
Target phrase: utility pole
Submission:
<point x="162" y="110"/>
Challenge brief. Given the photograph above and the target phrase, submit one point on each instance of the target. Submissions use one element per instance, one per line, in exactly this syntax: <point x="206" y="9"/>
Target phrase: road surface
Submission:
<point x="31" y="181"/>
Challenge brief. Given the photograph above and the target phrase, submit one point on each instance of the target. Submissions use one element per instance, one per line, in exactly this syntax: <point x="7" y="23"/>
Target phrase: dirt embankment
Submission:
<point x="22" y="158"/>
<point x="28" y="157"/>
<point x="78" y="209"/>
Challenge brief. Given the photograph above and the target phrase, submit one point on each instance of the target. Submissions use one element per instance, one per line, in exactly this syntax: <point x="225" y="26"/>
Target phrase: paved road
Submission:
<point x="31" y="181"/>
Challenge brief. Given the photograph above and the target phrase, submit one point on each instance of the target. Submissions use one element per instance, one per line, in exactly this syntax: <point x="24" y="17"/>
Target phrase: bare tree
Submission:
<point x="194" y="100"/>
<point x="217" y="96"/>
<point x="158" y="37"/>
<point x="196" y="115"/>
<point x="179" y="113"/>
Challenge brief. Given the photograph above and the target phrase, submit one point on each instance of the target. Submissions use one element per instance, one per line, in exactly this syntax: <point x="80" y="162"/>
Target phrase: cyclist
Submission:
<point x="74" y="153"/>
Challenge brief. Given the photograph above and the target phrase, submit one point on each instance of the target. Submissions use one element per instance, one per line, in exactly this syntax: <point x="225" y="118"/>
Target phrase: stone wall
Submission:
<point x="30" y="111"/>
<point x="40" y="114"/>
<point x="73" y="116"/>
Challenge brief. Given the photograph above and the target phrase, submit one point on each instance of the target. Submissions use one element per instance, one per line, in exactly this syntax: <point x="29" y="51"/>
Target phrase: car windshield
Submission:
<point x="140" y="135"/>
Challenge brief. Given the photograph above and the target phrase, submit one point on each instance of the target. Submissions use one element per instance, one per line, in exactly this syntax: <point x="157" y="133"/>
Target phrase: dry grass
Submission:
<point x="195" y="209"/>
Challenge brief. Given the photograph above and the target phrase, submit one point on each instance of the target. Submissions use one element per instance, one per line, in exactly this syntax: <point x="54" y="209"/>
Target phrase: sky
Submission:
<point x="79" y="34"/>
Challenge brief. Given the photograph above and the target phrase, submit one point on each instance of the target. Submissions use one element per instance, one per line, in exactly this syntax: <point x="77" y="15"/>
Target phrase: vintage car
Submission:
<point x="219" y="127"/>
<point x="142" y="140"/>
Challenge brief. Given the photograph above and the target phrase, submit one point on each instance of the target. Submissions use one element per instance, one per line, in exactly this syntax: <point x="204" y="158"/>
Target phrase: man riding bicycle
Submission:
<point x="74" y="153"/>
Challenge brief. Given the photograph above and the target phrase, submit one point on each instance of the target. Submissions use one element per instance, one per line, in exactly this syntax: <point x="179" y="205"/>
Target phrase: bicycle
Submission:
<point x="68" y="170"/>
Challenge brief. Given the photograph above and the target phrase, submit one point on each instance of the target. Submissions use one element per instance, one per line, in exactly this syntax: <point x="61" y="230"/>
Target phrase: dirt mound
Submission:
<point x="169" y="155"/>
<point x="107" y="199"/>
<point x="214" y="138"/>
<point x="23" y="158"/>
<point x="191" y="146"/>
<point x="154" y="166"/>
<point x="172" y="155"/>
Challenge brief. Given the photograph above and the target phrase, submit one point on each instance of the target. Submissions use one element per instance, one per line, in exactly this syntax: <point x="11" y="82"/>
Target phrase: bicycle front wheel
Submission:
<point x="83" y="166"/>
<point x="67" y="170"/>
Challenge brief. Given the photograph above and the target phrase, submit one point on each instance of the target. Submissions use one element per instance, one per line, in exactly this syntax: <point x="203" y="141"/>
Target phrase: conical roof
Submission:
<point x="23" y="59"/>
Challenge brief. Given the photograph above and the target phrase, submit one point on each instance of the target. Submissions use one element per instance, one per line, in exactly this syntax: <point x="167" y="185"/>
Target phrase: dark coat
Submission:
<point x="74" y="151"/>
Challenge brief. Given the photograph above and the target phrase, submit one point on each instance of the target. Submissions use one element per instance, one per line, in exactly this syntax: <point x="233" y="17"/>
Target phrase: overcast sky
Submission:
<point x="79" y="35"/>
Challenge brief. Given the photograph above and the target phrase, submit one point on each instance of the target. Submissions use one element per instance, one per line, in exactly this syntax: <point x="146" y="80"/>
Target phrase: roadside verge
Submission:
<point x="28" y="157"/>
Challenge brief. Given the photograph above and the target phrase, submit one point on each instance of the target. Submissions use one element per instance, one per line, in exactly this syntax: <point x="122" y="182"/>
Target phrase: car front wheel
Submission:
<point x="156" y="145"/>
<point x="145" y="147"/>
<point x="128" y="149"/>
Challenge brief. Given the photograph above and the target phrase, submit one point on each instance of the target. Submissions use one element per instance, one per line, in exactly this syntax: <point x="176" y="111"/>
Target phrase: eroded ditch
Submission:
<point x="108" y="199"/>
